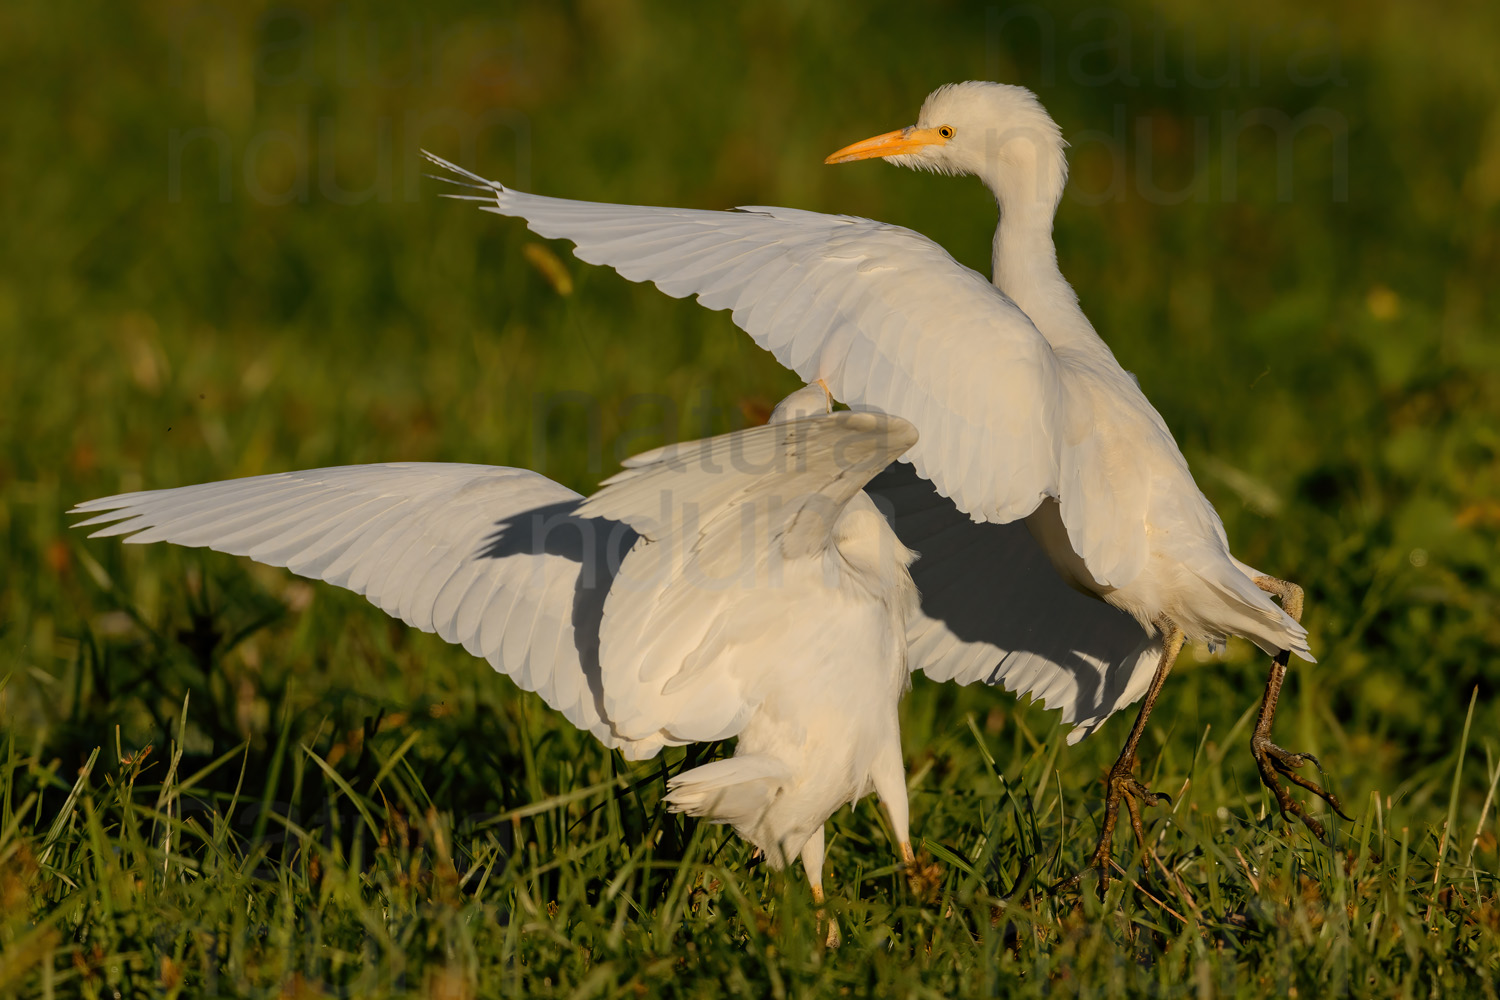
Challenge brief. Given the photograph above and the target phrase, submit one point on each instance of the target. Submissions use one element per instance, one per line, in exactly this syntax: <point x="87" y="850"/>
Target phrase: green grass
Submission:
<point x="335" y="805"/>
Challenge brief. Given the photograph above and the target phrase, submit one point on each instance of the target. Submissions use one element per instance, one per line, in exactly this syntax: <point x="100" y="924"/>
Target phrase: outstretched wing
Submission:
<point x="994" y="610"/>
<point x="495" y="559"/>
<point x="881" y="314"/>
<point x="739" y="534"/>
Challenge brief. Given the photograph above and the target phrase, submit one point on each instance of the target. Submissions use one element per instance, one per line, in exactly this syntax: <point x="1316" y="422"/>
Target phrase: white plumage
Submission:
<point x="1024" y="413"/>
<point x="739" y="586"/>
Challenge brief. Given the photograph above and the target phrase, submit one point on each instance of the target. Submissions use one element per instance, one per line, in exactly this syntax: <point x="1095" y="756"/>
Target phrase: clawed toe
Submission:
<point x="1122" y="786"/>
<point x="1141" y="793"/>
<point x="1275" y="763"/>
<point x="1283" y="759"/>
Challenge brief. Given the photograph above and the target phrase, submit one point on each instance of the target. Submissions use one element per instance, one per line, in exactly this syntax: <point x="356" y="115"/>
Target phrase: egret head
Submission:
<point x="995" y="131"/>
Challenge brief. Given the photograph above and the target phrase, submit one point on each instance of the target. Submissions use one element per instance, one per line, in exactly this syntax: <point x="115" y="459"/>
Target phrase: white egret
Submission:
<point x="741" y="586"/>
<point x="1023" y="411"/>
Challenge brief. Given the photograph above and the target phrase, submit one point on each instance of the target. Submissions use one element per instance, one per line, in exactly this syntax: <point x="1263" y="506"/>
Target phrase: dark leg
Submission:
<point x="1273" y="762"/>
<point x="1122" y="782"/>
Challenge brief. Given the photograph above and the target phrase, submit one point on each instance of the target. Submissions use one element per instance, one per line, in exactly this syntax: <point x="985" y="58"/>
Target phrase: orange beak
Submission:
<point x="903" y="140"/>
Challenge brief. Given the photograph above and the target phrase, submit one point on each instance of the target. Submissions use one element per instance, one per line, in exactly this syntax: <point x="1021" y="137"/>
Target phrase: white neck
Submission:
<point x="1025" y="258"/>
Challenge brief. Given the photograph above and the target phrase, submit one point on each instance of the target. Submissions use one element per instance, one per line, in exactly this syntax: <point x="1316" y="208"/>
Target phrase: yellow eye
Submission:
<point x="946" y="131"/>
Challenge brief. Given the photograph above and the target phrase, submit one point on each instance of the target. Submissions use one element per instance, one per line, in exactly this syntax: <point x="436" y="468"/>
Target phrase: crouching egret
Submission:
<point x="741" y="586"/>
<point x="1024" y="415"/>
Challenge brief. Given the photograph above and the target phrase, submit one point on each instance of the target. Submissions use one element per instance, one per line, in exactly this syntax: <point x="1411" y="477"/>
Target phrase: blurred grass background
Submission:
<point x="221" y="258"/>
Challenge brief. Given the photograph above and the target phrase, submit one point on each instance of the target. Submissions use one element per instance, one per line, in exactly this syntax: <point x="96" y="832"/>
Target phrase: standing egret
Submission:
<point x="741" y="586"/>
<point x="1023" y="411"/>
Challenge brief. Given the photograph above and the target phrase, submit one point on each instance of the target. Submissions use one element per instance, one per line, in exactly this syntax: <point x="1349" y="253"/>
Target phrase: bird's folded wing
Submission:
<point x="882" y="314"/>
<point x="728" y="526"/>
<point x="494" y="559"/>
<point x="994" y="610"/>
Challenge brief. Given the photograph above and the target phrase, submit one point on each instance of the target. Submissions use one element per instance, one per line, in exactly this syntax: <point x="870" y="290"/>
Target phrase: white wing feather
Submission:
<point x="880" y="313"/>
<point x="494" y="559"/>
<point x="995" y="611"/>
